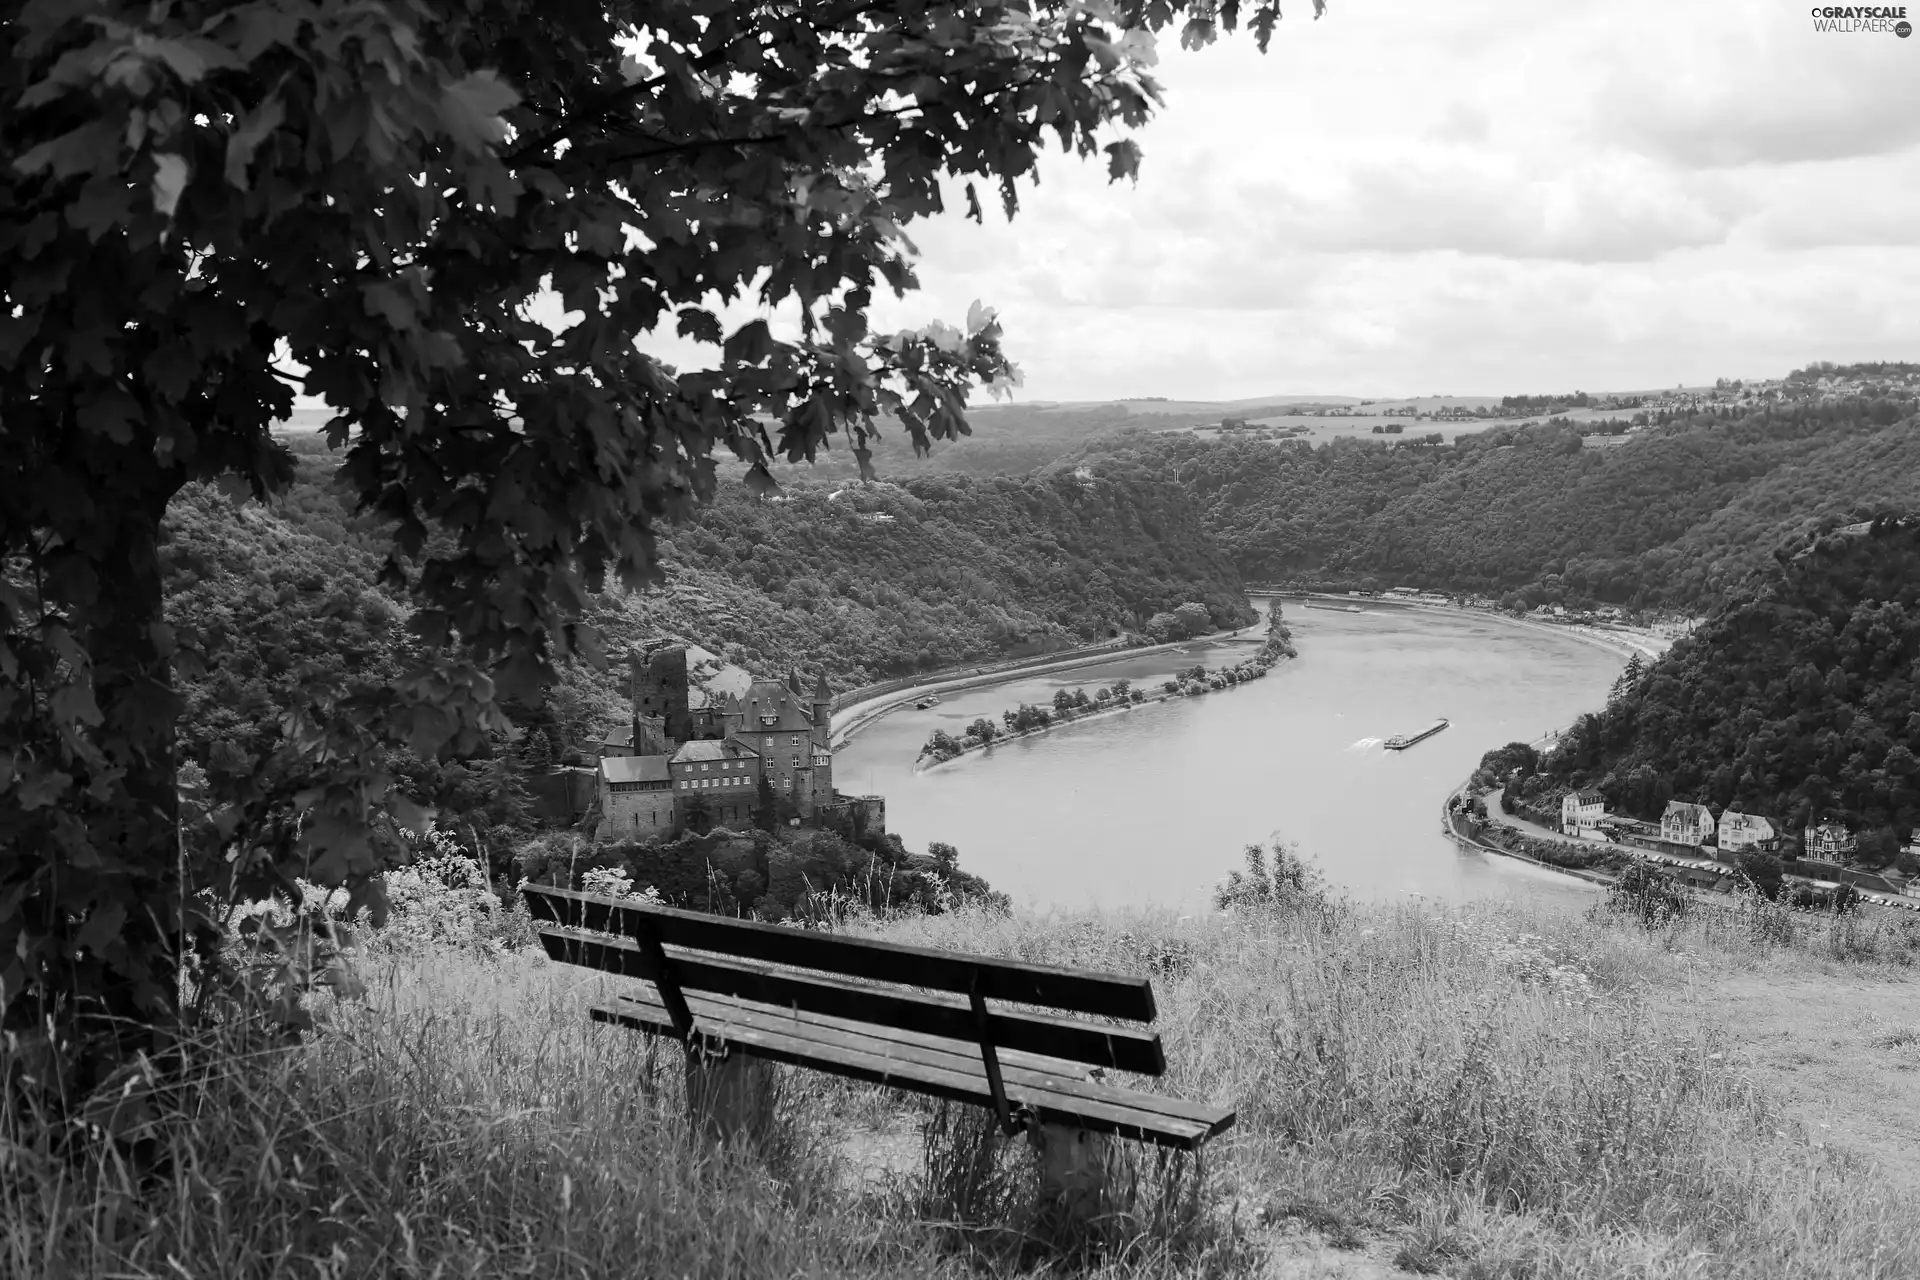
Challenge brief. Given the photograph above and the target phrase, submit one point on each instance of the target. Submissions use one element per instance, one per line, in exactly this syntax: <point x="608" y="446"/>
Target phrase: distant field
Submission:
<point x="1017" y="438"/>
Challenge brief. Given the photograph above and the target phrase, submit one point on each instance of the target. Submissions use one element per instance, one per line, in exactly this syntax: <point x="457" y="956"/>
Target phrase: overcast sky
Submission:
<point x="1413" y="197"/>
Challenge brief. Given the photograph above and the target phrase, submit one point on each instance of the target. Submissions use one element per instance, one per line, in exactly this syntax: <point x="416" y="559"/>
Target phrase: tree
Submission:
<point x="945" y="857"/>
<point x="766" y="812"/>
<point x="205" y="205"/>
<point x="697" y="814"/>
<point x="1062" y="701"/>
<point x="1877" y="847"/>
<point x="1121" y="687"/>
<point x="1194" y="619"/>
<point x="983" y="729"/>
<point x="1763" y="870"/>
<point x="536" y="751"/>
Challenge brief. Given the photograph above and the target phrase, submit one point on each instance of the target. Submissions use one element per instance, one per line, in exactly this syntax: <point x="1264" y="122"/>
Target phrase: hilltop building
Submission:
<point x="1690" y="824"/>
<point x="686" y="760"/>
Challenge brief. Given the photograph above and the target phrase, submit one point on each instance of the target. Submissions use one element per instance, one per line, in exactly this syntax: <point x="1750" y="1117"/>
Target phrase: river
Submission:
<point x="1154" y="805"/>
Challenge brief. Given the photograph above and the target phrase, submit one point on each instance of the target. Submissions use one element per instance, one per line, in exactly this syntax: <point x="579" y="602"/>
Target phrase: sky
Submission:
<point x="1460" y="197"/>
<point x="1467" y="198"/>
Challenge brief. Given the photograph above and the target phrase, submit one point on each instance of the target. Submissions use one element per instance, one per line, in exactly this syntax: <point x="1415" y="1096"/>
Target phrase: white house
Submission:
<point x="1581" y="812"/>
<point x="1685" y="823"/>
<point x="1745" y="831"/>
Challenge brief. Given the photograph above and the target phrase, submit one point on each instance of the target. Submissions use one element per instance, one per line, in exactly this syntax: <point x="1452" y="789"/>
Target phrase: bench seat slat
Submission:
<point x="930" y="1013"/>
<point x="1078" y="990"/>
<point x="714" y="1013"/>
<point x="862" y="1057"/>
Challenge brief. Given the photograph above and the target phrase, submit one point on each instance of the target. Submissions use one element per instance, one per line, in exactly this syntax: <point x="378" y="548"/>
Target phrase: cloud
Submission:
<point x="1612" y="209"/>
<point x="1471" y="198"/>
<point x="1862" y="202"/>
<point x="1720" y="93"/>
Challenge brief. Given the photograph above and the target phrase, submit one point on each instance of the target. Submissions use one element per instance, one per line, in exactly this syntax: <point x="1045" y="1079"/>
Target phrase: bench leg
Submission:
<point x="730" y="1099"/>
<point x="1074" y="1172"/>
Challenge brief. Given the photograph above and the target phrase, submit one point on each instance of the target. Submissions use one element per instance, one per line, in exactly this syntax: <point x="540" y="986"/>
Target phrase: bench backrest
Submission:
<point x="808" y="970"/>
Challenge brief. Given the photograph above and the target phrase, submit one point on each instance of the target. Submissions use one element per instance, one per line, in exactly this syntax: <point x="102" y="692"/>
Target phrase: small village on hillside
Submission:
<point x="1692" y="838"/>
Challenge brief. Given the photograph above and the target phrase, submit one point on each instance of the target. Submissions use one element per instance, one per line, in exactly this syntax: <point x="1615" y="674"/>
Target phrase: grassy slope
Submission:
<point x="1506" y="1091"/>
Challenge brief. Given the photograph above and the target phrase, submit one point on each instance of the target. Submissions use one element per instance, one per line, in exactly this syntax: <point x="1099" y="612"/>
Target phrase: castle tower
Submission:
<point x="822" y="713"/>
<point x="649" y="736"/>
<point x="660" y="688"/>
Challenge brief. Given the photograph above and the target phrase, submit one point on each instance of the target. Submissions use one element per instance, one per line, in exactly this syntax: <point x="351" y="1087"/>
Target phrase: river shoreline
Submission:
<point x="921" y="764"/>
<point x="863" y="714"/>
<point x="1623" y="640"/>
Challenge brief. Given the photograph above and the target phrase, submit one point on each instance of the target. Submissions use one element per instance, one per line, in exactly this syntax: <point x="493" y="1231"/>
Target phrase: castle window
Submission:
<point x="796" y="762"/>
<point x="794" y="741"/>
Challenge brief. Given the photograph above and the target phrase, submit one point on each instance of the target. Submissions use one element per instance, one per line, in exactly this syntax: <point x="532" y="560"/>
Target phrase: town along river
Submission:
<point x="1154" y="805"/>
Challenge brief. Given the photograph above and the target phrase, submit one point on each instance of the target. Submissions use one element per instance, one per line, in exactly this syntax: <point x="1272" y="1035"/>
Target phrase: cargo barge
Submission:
<point x="1401" y="741"/>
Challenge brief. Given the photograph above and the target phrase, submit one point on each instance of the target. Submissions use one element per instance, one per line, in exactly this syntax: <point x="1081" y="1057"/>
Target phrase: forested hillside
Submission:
<point x="883" y="579"/>
<point x="1800" y="703"/>
<point x="1676" y="517"/>
<point x="865" y="581"/>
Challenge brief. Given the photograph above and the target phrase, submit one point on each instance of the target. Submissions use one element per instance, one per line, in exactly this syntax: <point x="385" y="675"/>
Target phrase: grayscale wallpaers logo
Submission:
<point x="1850" y="18"/>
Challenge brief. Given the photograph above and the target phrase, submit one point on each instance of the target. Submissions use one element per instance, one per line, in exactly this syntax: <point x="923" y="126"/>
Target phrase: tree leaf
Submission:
<point x="470" y="110"/>
<point x="248" y="137"/>
<point x="169" y="180"/>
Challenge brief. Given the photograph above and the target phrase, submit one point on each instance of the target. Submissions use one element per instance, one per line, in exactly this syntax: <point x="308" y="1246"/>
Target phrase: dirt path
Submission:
<point x="1840" y="1049"/>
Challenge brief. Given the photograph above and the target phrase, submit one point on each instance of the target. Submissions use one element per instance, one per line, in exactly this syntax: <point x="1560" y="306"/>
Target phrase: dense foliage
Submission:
<point x="881" y="580"/>
<point x="865" y="582"/>
<point x="779" y="875"/>
<point x="1676" y="518"/>
<point x="1801" y="703"/>
<point x="389" y="195"/>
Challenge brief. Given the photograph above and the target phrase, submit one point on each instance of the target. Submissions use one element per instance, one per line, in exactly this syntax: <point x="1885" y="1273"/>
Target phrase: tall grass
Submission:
<point x="1490" y="1090"/>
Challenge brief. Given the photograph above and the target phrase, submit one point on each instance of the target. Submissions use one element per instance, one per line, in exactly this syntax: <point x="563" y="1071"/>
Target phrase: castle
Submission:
<point x="687" y="762"/>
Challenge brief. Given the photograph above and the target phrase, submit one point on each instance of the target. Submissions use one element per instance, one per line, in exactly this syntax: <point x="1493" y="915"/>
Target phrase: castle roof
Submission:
<point x="774" y="698"/>
<point x="820" y="691"/>
<point x="696" y="752"/>
<point x="634" y="769"/>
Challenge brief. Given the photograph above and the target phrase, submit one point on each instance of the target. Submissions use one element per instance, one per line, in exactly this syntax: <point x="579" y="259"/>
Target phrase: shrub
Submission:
<point x="1276" y="880"/>
<point x="1646" y="895"/>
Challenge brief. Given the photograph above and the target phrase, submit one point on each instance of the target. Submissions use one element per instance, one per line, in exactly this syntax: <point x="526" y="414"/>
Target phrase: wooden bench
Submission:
<point x="934" y="1022"/>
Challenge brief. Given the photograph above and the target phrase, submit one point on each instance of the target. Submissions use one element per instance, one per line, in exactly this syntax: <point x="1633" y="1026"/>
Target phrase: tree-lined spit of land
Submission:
<point x="1070" y="705"/>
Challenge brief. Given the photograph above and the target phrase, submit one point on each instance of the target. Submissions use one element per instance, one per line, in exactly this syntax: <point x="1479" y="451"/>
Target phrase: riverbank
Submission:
<point x="854" y="717"/>
<point x="1193" y="682"/>
<point x="1624" y="640"/>
<point x="1618" y="855"/>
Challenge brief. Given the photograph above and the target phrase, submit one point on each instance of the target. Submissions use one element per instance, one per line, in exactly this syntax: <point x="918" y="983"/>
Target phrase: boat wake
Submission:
<point x="1364" y="744"/>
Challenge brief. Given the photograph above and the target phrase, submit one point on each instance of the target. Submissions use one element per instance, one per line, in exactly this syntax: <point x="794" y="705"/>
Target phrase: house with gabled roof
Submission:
<point x="1829" y="842"/>
<point x="1688" y="824"/>
<point x="1739" y="831"/>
